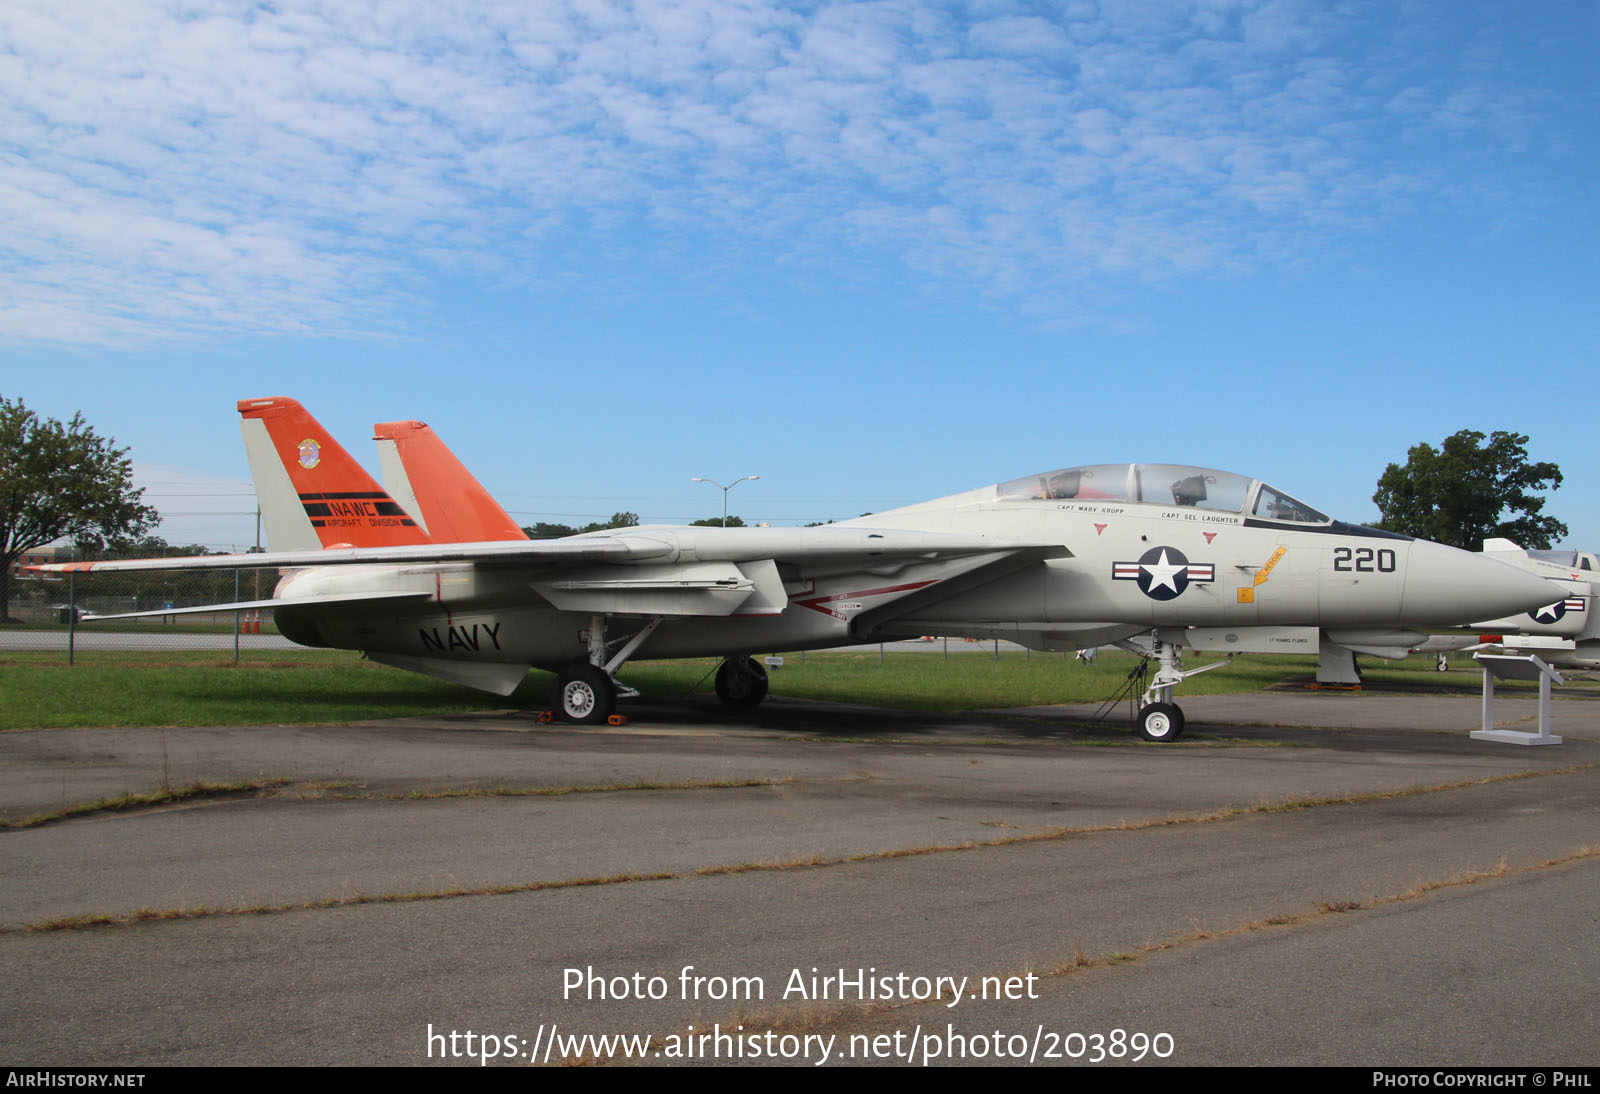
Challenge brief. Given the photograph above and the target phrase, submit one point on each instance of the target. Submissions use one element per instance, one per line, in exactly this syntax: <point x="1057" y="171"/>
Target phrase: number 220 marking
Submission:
<point x="1363" y="560"/>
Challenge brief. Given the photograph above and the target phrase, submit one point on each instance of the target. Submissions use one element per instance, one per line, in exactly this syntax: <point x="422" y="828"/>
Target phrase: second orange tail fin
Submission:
<point x="428" y="479"/>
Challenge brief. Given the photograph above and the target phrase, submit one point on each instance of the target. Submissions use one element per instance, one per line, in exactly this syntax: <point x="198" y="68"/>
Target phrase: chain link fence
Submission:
<point x="56" y="612"/>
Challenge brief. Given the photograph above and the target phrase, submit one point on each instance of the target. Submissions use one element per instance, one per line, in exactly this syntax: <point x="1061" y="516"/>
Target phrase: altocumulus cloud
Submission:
<point x="177" y="170"/>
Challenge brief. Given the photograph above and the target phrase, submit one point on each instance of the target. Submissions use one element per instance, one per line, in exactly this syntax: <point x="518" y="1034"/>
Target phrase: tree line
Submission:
<point x="543" y="530"/>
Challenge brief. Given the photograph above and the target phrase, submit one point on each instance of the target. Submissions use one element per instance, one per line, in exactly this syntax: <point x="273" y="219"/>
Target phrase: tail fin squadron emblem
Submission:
<point x="1163" y="572"/>
<point x="310" y="453"/>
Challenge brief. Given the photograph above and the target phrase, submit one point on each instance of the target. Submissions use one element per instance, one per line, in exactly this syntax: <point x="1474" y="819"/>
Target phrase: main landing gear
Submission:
<point x="584" y="694"/>
<point x="1160" y="719"/>
<point x="587" y="691"/>
<point x="741" y="682"/>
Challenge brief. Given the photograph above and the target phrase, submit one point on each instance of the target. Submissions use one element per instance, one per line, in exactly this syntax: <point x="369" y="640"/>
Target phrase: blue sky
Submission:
<point x="872" y="252"/>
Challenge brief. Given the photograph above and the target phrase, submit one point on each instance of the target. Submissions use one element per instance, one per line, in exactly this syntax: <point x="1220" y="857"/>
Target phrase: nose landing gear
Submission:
<point x="1160" y="719"/>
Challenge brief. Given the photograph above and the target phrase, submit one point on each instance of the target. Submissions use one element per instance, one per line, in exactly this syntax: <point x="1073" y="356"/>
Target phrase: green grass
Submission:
<point x="185" y="688"/>
<point x="180" y="688"/>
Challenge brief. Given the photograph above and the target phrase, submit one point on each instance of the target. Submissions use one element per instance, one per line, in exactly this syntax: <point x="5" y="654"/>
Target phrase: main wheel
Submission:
<point x="1161" y="722"/>
<point x="584" y="695"/>
<point x="741" y="682"/>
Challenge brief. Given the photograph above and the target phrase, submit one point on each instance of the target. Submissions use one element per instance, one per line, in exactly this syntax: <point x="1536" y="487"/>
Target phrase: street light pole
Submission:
<point x="725" y="489"/>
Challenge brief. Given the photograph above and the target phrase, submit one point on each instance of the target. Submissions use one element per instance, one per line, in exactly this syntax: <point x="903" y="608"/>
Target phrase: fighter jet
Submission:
<point x="1565" y="631"/>
<point x="1066" y="559"/>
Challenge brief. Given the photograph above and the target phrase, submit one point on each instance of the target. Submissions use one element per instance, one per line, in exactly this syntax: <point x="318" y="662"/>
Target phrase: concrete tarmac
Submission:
<point x="1304" y="878"/>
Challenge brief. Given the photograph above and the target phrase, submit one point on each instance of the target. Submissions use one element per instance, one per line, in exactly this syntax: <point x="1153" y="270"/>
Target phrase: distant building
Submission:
<point x="40" y="556"/>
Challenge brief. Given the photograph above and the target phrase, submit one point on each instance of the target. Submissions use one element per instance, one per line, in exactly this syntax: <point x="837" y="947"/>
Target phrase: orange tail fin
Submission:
<point x="311" y="493"/>
<point x="431" y="482"/>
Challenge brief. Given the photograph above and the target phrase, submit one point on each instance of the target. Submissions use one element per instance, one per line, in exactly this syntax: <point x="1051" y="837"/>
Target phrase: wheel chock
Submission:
<point x="616" y="719"/>
<point x="547" y="716"/>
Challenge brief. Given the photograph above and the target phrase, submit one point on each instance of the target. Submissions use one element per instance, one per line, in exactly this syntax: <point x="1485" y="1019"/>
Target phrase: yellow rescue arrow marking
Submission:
<point x="1248" y="595"/>
<point x="1261" y="574"/>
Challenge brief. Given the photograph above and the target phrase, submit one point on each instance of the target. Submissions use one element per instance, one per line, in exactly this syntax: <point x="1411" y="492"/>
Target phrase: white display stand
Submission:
<point x="1516" y="667"/>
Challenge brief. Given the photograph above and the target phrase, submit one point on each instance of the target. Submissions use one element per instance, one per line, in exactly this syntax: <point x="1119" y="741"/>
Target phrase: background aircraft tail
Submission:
<point x="312" y="494"/>
<point x="429" y="481"/>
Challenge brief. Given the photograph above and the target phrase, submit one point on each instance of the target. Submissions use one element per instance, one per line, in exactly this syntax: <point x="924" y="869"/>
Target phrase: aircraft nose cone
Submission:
<point x="1446" y="586"/>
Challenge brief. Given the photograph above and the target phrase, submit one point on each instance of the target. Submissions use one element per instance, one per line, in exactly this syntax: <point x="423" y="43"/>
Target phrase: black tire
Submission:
<point x="741" y="682"/>
<point x="584" y="695"/>
<point x="1161" y="722"/>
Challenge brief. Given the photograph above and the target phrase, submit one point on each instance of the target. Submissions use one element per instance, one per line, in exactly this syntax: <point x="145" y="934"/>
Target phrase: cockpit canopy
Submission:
<point x="1572" y="560"/>
<point x="1163" y="484"/>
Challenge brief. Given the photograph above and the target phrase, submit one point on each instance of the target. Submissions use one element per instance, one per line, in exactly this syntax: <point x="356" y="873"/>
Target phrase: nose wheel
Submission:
<point x="1161" y="722"/>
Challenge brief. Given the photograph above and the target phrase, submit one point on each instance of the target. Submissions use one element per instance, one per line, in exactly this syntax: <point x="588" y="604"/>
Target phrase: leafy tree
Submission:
<point x="59" y="481"/>
<point x="618" y="520"/>
<point x="1459" y="492"/>
<point x="716" y="522"/>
